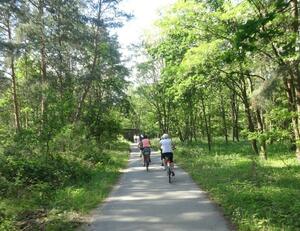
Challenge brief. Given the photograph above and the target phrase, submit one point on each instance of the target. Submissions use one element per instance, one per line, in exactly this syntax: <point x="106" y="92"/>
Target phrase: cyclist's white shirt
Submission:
<point x="166" y="145"/>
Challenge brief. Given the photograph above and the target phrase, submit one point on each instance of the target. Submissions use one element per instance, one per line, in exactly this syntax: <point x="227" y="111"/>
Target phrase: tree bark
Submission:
<point x="260" y="125"/>
<point x="208" y="135"/>
<point x="14" y="83"/>
<point x="237" y="113"/>
<point x="251" y="126"/>
<point x="194" y="126"/>
<point x="62" y="70"/>
<point x="261" y="128"/>
<point x="290" y="92"/>
<point x="296" y="30"/>
<point x="223" y="115"/>
<point x="95" y="58"/>
<point x="43" y="59"/>
<point x="234" y="117"/>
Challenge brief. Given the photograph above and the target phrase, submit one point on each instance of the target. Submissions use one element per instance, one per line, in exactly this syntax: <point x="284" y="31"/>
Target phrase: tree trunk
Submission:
<point x="237" y="113"/>
<point x="209" y="129"/>
<point x="191" y="120"/>
<point x="251" y="126"/>
<point x="296" y="29"/>
<point x="180" y="135"/>
<point x="165" y="118"/>
<point x="195" y="126"/>
<point x="43" y="59"/>
<point x="14" y="84"/>
<point x="289" y="88"/>
<point x="234" y="117"/>
<point x="62" y="68"/>
<point x="202" y="129"/>
<point x="26" y="119"/>
<point x="208" y="135"/>
<point x="261" y="128"/>
<point x="223" y="115"/>
<point x="95" y="58"/>
<point x="159" y="118"/>
<point x="260" y="125"/>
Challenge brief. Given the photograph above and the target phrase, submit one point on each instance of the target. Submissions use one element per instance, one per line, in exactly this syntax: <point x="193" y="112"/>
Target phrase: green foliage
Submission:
<point x="227" y="70"/>
<point x="62" y="93"/>
<point x="57" y="190"/>
<point x="267" y="199"/>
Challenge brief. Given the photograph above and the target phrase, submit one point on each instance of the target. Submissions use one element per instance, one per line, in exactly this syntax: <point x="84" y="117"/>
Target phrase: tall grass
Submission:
<point x="266" y="197"/>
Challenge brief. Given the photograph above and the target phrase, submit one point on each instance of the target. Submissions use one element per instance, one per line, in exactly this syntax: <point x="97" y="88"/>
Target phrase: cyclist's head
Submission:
<point x="145" y="136"/>
<point x="165" y="136"/>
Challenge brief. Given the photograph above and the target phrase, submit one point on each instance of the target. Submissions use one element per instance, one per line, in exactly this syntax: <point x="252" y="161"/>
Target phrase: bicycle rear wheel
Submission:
<point x="169" y="175"/>
<point x="147" y="162"/>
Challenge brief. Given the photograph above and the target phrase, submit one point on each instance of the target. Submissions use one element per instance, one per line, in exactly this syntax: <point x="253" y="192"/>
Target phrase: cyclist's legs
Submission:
<point x="146" y="154"/>
<point x="169" y="156"/>
<point x="161" y="157"/>
<point x="172" y="164"/>
<point x="146" y="158"/>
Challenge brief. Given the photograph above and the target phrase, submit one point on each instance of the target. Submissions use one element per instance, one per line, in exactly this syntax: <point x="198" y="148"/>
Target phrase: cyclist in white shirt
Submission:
<point x="167" y="149"/>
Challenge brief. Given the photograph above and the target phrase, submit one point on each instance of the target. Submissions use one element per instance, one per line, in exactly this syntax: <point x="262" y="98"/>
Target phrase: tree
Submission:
<point x="8" y="22"/>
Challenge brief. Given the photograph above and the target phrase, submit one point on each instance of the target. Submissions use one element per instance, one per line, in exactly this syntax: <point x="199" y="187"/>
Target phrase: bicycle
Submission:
<point x="169" y="169"/>
<point x="146" y="155"/>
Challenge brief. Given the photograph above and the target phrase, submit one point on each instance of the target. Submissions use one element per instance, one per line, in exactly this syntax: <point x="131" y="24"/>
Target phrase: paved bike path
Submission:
<point x="145" y="201"/>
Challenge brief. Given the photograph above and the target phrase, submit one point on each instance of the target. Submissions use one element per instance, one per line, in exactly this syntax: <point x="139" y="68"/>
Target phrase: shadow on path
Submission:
<point x="145" y="201"/>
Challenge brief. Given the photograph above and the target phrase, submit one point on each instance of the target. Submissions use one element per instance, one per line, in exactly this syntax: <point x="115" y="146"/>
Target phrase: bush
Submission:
<point x="31" y="176"/>
<point x="24" y="172"/>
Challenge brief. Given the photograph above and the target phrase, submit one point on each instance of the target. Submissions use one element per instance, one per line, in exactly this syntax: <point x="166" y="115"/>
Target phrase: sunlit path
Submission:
<point x="146" y="201"/>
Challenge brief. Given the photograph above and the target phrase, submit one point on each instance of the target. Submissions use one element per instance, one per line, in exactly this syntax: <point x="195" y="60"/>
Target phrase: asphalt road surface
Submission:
<point x="145" y="201"/>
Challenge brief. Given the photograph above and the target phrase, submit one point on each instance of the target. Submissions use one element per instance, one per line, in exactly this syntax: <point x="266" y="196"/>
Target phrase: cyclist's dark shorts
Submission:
<point x="169" y="155"/>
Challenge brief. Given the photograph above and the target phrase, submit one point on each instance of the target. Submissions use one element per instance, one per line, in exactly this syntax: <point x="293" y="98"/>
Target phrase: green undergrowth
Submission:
<point x="55" y="193"/>
<point x="255" y="194"/>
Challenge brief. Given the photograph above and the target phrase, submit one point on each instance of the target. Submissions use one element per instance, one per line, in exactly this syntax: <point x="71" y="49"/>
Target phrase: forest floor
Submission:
<point x="146" y="201"/>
